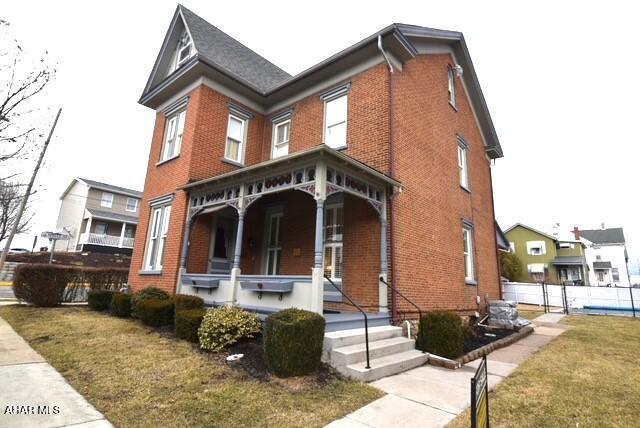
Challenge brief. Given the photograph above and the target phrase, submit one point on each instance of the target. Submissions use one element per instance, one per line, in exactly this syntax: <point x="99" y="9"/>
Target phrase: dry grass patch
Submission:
<point x="587" y="377"/>
<point x="140" y="377"/>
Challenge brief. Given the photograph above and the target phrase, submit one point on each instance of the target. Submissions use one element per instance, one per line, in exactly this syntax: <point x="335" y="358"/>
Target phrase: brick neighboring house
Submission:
<point x="373" y="163"/>
<point x="98" y="217"/>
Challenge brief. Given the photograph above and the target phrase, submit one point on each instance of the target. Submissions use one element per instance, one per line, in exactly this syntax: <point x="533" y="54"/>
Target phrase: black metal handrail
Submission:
<point x="395" y="290"/>
<point x="366" y="320"/>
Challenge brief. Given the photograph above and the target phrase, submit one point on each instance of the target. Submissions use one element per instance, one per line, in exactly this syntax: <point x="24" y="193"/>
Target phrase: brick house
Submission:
<point x="269" y="191"/>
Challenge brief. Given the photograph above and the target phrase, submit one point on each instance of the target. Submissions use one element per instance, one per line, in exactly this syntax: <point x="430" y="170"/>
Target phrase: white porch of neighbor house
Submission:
<point x="322" y="173"/>
<point x="107" y="230"/>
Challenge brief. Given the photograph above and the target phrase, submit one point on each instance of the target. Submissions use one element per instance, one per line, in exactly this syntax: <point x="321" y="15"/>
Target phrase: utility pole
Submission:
<point x="25" y="197"/>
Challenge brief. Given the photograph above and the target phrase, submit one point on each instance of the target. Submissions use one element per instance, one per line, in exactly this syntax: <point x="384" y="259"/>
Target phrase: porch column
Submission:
<point x="238" y="247"/>
<point x="384" y="265"/>
<point x="317" y="277"/>
<point x="184" y="252"/>
<point x="124" y="227"/>
<point x="235" y="270"/>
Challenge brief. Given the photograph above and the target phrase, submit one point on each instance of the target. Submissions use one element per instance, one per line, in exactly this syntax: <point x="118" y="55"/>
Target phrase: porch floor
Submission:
<point x="336" y="321"/>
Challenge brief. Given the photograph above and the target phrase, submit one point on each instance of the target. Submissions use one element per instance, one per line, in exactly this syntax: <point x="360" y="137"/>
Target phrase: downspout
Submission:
<point x="493" y="208"/>
<point x="390" y="224"/>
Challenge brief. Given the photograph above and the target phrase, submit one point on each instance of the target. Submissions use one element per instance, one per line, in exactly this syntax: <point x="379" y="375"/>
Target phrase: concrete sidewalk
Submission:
<point x="32" y="393"/>
<point x="430" y="396"/>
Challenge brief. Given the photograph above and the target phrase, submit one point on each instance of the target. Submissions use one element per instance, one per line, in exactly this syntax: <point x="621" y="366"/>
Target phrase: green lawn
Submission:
<point x="587" y="377"/>
<point x="139" y="377"/>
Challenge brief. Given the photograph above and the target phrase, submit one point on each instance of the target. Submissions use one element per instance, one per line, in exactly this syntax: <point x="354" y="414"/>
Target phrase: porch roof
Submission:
<point x="105" y="215"/>
<point x="602" y="265"/>
<point x="568" y="260"/>
<point x="317" y="152"/>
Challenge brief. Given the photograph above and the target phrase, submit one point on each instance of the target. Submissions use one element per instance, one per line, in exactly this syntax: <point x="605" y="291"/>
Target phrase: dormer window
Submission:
<point x="184" y="50"/>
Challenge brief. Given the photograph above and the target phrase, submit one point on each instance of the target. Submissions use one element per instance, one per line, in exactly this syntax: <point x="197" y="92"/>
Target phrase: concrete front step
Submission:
<point x="338" y="339"/>
<point x="385" y="366"/>
<point x="351" y="354"/>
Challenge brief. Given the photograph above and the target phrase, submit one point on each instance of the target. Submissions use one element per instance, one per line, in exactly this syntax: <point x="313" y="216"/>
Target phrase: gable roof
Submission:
<point x="553" y="238"/>
<point x="614" y="235"/>
<point x="103" y="186"/>
<point x="269" y="83"/>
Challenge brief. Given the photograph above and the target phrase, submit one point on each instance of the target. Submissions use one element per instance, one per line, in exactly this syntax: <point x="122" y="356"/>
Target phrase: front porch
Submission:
<point x="264" y="239"/>
<point x="107" y="232"/>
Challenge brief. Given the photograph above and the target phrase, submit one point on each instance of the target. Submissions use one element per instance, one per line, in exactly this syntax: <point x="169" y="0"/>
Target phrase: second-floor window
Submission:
<point x="462" y="164"/>
<point x="106" y="200"/>
<point x="281" y="134"/>
<point x="335" y="122"/>
<point x="451" y="81"/>
<point x="236" y="130"/>
<point x="132" y="204"/>
<point x="536" y="248"/>
<point x="173" y="135"/>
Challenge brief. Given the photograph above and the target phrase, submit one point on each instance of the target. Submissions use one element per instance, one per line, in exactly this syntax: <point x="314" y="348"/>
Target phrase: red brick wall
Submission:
<point x="427" y="216"/>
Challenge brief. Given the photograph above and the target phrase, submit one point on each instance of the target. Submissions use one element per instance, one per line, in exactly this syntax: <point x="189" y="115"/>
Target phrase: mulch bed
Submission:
<point x="478" y="336"/>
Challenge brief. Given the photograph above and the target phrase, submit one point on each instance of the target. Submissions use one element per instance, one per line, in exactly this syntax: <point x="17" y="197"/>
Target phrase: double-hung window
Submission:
<point x="132" y="204"/>
<point x="158" y="228"/>
<point x="281" y="135"/>
<point x="467" y="245"/>
<point x="106" y="200"/>
<point x="536" y="248"/>
<point x="236" y="130"/>
<point x="173" y="135"/>
<point x="451" y="81"/>
<point x="333" y="241"/>
<point x="335" y="122"/>
<point x="463" y="168"/>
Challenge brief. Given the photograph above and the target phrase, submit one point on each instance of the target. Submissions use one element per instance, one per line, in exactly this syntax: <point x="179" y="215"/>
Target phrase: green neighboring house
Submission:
<point x="544" y="257"/>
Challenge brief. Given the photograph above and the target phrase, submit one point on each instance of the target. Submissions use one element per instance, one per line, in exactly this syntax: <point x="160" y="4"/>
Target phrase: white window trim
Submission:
<point x="274" y="138"/>
<point x="469" y="262"/>
<point x="135" y="205"/>
<point x="463" y="166"/>
<point x="174" y="135"/>
<point x="107" y="203"/>
<point x="451" y="86"/>
<point x="337" y="242"/>
<point x="180" y="47"/>
<point x="536" y="244"/>
<point x="241" y="149"/>
<point x="157" y="237"/>
<point x="270" y="214"/>
<point x="345" y="121"/>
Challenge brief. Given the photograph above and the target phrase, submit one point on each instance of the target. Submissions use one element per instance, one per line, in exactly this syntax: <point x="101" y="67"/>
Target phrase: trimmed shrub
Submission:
<point x="149" y="293"/>
<point x="188" y="322"/>
<point x="40" y="285"/>
<point x="121" y="305"/>
<point x="225" y="326"/>
<point x="99" y="300"/>
<point x="185" y="302"/>
<point x="441" y="333"/>
<point x="156" y="312"/>
<point x="293" y="342"/>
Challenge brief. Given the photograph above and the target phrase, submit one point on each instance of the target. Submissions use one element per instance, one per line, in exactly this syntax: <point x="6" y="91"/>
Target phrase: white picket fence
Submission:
<point x="577" y="296"/>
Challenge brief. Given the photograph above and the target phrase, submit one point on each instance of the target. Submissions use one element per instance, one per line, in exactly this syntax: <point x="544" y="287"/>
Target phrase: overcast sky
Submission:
<point x="557" y="77"/>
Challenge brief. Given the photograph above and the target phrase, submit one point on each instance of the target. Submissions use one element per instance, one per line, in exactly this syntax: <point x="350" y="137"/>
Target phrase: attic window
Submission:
<point x="184" y="50"/>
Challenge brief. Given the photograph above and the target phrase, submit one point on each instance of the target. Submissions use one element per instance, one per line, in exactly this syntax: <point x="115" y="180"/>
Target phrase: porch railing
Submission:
<point x="106" y="240"/>
<point x="395" y="290"/>
<point x="364" y="314"/>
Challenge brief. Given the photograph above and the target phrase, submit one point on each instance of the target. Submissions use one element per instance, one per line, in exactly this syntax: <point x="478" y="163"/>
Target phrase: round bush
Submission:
<point x="293" y="342"/>
<point x="121" y="305"/>
<point x="149" y="293"/>
<point x="225" y="326"/>
<point x="185" y="302"/>
<point x="156" y="313"/>
<point x="41" y="285"/>
<point x="99" y="300"/>
<point x="188" y="322"/>
<point x="441" y="333"/>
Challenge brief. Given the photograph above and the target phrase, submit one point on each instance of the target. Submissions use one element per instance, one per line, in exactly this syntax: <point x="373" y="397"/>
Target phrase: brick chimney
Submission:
<point x="576" y="233"/>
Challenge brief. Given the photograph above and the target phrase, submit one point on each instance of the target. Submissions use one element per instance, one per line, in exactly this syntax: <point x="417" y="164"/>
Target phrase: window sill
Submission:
<point x="465" y="188"/>
<point x="162" y="162"/>
<point x="453" y="106"/>
<point x="150" y="272"/>
<point x="232" y="162"/>
<point x="471" y="282"/>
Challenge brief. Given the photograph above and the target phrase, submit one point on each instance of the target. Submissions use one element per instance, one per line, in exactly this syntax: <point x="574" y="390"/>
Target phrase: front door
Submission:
<point x="222" y="245"/>
<point x="273" y="249"/>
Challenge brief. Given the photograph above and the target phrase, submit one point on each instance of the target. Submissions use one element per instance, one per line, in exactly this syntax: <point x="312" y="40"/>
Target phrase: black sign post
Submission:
<point x="480" y="396"/>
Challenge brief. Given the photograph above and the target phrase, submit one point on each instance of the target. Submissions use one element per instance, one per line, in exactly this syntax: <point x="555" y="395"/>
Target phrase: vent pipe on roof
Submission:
<point x="384" y="54"/>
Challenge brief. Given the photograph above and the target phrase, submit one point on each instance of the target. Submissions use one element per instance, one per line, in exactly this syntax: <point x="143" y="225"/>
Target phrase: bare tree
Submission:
<point x="22" y="78"/>
<point x="10" y="199"/>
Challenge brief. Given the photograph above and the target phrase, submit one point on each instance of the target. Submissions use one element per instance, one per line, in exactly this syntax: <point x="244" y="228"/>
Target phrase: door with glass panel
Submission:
<point x="273" y="248"/>
<point x="333" y="241"/>
<point x="222" y="245"/>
